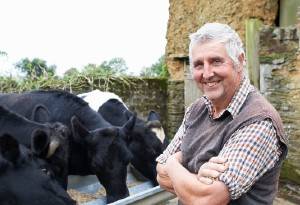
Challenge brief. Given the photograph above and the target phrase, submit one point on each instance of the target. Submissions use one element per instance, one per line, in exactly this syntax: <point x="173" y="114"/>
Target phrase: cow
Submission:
<point x="96" y="147"/>
<point x="52" y="138"/>
<point x="147" y="139"/>
<point x="23" y="178"/>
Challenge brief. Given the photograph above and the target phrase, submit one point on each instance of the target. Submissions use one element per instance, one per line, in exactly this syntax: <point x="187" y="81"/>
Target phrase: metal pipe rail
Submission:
<point x="155" y="195"/>
<point x="142" y="193"/>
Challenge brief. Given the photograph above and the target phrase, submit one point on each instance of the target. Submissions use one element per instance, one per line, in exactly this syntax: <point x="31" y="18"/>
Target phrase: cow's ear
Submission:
<point x="153" y="116"/>
<point x="9" y="148"/>
<point x="40" y="114"/>
<point x="111" y="132"/>
<point x="102" y="136"/>
<point x="129" y="125"/>
<point x="40" y="143"/>
<point x="128" y="114"/>
<point x="79" y="131"/>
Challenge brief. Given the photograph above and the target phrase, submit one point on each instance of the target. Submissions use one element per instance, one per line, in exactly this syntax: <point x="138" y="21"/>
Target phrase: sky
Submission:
<point x="74" y="33"/>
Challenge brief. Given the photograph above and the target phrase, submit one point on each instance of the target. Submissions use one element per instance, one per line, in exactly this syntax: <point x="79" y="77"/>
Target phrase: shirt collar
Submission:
<point x="237" y="101"/>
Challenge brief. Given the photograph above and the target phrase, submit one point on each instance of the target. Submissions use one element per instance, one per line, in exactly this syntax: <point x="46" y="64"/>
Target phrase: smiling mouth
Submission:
<point x="211" y="84"/>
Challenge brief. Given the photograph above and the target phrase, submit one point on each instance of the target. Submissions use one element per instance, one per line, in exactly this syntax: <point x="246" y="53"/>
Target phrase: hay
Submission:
<point x="81" y="197"/>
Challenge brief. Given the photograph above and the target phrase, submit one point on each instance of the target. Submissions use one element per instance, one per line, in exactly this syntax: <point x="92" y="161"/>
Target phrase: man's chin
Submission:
<point x="212" y="96"/>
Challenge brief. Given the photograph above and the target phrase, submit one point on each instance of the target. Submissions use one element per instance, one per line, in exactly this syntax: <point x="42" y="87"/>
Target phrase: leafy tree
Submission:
<point x="115" y="66"/>
<point x="158" y="69"/>
<point x="35" y="68"/>
<point x="3" y="53"/>
<point x="71" y="72"/>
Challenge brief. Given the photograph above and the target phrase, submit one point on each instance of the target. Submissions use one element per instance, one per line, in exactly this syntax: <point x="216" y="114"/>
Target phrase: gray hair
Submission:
<point x="221" y="33"/>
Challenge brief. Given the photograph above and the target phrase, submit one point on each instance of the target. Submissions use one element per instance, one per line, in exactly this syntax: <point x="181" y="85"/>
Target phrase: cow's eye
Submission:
<point x="46" y="171"/>
<point x="151" y="151"/>
<point x="65" y="133"/>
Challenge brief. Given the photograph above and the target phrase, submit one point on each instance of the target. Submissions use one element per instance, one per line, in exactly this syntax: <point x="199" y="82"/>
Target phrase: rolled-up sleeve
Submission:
<point x="175" y="144"/>
<point x="250" y="152"/>
<point x="173" y="147"/>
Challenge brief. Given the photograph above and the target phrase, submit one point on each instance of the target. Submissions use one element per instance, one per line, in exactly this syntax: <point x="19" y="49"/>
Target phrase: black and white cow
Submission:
<point x="24" y="180"/>
<point x="96" y="147"/>
<point x="147" y="139"/>
<point x="50" y="140"/>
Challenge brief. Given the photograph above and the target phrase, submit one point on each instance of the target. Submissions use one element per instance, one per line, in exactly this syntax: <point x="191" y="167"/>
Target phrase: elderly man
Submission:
<point x="231" y="123"/>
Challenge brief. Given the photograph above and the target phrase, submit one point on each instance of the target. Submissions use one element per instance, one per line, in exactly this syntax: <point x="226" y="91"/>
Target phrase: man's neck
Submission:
<point x="219" y="106"/>
<point x="218" y="109"/>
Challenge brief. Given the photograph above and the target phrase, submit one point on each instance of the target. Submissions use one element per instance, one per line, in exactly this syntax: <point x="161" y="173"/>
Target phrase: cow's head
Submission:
<point x="108" y="156"/>
<point x="24" y="178"/>
<point x="58" y="136"/>
<point x="153" y="123"/>
<point x="147" y="143"/>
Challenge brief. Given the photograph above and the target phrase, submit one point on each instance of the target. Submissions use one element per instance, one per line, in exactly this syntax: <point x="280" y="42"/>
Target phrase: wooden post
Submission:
<point x="191" y="91"/>
<point x="298" y="25"/>
<point x="252" y="50"/>
<point x="288" y="12"/>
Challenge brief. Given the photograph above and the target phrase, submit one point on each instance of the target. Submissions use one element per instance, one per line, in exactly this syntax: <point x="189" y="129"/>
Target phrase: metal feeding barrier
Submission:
<point x="155" y="195"/>
<point x="141" y="192"/>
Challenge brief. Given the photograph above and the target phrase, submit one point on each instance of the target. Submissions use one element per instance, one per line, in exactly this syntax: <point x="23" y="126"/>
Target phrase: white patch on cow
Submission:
<point x="160" y="133"/>
<point x="97" y="98"/>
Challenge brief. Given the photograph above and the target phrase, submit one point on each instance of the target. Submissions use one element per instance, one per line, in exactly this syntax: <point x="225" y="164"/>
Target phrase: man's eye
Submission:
<point x="198" y="67"/>
<point x="217" y="62"/>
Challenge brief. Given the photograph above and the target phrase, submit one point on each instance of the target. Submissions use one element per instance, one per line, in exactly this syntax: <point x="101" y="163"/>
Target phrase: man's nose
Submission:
<point x="207" y="71"/>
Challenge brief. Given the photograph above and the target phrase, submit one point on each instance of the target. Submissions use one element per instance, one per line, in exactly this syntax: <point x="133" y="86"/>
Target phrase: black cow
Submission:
<point x="51" y="140"/>
<point x="23" y="179"/>
<point x="96" y="147"/>
<point x="147" y="139"/>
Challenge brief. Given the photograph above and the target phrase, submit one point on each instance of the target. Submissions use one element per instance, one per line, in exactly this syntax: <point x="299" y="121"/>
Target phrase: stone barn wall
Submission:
<point x="280" y="84"/>
<point x="175" y="106"/>
<point x="186" y="16"/>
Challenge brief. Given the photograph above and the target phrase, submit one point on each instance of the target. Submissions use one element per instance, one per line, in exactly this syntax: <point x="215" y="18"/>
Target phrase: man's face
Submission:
<point x="214" y="72"/>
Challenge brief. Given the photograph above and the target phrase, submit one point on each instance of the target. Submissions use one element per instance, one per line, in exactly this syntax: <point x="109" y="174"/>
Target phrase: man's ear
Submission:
<point x="241" y="60"/>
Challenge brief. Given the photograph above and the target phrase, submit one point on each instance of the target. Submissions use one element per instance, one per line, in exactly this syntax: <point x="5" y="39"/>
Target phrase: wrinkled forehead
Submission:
<point x="209" y="49"/>
<point x="210" y="42"/>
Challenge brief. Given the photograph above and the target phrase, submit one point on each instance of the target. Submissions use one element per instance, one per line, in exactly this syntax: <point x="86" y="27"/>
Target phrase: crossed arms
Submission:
<point x="189" y="187"/>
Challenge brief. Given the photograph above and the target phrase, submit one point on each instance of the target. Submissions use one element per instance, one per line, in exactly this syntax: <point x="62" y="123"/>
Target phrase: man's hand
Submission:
<point x="177" y="156"/>
<point x="211" y="170"/>
<point x="162" y="174"/>
<point x="163" y="178"/>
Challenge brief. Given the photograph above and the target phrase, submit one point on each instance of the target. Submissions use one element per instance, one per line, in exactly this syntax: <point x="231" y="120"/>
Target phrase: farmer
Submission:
<point x="231" y="144"/>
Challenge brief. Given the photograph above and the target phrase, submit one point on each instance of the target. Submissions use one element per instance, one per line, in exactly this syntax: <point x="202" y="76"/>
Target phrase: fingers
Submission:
<point x="218" y="160"/>
<point x="211" y="170"/>
<point x="203" y="172"/>
<point x="165" y="182"/>
<point x="178" y="155"/>
<point x="218" y="163"/>
<point x="215" y="166"/>
<point x="206" y="180"/>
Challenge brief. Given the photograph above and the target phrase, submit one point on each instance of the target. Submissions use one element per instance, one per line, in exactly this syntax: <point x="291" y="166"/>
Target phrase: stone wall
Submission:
<point x="280" y="83"/>
<point x="186" y="16"/>
<point x="175" y="106"/>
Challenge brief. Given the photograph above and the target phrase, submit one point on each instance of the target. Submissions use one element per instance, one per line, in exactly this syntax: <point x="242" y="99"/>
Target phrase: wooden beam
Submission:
<point x="252" y="50"/>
